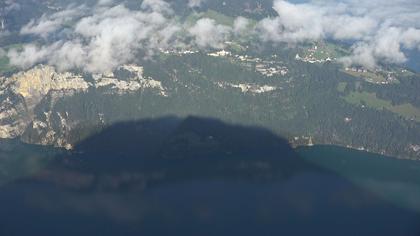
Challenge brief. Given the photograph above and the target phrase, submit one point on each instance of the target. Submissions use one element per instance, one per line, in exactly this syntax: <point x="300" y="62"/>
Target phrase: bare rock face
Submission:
<point x="13" y="115"/>
<point x="34" y="84"/>
<point x="135" y="82"/>
<point x="22" y="93"/>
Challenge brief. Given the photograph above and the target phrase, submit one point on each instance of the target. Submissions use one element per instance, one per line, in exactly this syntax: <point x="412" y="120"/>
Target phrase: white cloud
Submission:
<point x="49" y="24"/>
<point x="208" y="33"/>
<point x="302" y="22"/>
<point x="105" y="36"/>
<point x="2" y="53"/>
<point x="69" y="55"/>
<point x="101" y="40"/>
<point x="157" y="6"/>
<point x="195" y="3"/>
<point x="240" y="25"/>
<point x="380" y="30"/>
<point x="385" y="46"/>
<point x="30" y="55"/>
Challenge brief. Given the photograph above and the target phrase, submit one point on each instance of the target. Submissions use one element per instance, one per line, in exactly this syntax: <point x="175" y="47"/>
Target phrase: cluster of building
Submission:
<point x="356" y="69"/>
<point x="415" y="148"/>
<point x="177" y="52"/>
<point x="384" y="77"/>
<point x="302" y="141"/>
<point x="270" y="70"/>
<point x="266" y="68"/>
<point x="311" y="58"/>
<point x="248" y="88"/>
<point x="136" y="82"/>
<point x="221" y="53"/>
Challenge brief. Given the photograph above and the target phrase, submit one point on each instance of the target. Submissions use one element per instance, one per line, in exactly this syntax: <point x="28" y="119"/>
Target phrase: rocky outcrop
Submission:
<point x="248" y="88"/>
<point x="134" y="82"/>
<point x="38" y="82"/>
<point x="23" y="92"/>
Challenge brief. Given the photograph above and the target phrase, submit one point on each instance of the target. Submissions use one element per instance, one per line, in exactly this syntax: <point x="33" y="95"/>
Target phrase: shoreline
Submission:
<point x="366" y="151"/>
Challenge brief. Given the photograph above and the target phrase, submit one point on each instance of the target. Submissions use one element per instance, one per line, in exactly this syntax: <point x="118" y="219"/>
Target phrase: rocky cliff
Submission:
<point x="23" y="93"/>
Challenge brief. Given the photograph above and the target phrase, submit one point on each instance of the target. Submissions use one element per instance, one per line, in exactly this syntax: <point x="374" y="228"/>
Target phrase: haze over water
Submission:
<point x="197" y="185"/>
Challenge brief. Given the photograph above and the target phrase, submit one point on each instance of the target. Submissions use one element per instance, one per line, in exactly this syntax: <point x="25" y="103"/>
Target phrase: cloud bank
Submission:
<point x="99" y="40"/>
<point x="378" y="30"/>
<point x="102" y="38"/>
<point x="208" y="33"/>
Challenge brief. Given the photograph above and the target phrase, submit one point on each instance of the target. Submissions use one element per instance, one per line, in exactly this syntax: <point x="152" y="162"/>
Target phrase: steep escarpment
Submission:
<point x="27" y="100"/>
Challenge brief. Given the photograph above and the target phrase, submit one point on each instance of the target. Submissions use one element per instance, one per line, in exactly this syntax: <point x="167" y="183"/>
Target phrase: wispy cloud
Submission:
<point x="103" y="37"/>
<point x="378" y="30"/>
<point x="208" y="33"/>
<point x="240" y="25"/>
<point x="47" y="24"/>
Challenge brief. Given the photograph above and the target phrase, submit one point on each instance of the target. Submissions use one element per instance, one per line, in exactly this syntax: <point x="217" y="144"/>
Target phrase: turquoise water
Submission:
<point x="395" y="180"/>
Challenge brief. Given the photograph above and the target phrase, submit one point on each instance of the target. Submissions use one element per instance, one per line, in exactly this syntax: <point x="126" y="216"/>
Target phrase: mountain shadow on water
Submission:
<point x="200" y="142"/>
<point x="192" y="176"/>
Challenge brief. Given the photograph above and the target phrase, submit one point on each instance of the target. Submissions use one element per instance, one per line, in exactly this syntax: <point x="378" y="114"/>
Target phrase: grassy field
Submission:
<point x="4" y="63"/>
<point x="368" y="76"/>
<point x="408" y="111"/>
<point x="326" y="50"/>
<point x="5" y="67"/>
<point x="341" y="87"/>
<point x="17" y="46"/>
<point x="368" y="99"/>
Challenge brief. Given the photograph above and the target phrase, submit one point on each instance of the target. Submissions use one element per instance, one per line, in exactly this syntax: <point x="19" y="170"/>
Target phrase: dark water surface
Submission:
<point x="204" y="177"/>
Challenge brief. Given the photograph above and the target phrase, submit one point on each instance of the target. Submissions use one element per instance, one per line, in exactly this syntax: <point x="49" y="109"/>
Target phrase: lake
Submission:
<point x="328" y="191"/>
<point x="203" y="176"/>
